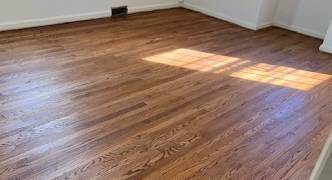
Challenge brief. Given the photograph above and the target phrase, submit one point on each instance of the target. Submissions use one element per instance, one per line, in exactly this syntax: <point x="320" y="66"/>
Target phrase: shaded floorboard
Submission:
<point x="186" y="97"/>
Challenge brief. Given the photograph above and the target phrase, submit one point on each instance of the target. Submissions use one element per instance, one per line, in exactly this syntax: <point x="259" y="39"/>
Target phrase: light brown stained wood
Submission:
<point x="170" y="94"/>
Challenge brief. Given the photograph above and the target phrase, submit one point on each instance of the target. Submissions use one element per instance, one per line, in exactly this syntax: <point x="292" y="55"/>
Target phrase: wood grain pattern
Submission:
<point x="170" y="94"/>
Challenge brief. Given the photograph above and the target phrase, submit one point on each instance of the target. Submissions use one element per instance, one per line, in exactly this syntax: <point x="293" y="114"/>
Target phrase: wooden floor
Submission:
<point x="171" y="94"/>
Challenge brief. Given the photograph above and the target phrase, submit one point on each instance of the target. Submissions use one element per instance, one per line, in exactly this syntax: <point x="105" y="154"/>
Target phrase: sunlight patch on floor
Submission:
<point x="261" y="72"/>
<point x="282" y="76"/>
<point x="195" y="60"/>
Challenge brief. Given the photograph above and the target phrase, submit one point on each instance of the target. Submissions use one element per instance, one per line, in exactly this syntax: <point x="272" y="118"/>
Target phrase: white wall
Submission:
<point x="311" y="17"/>
<point x="140" y="3"/>
<point x="28" y="13"/>
<point x="323" y="167"/>
<point x="240" y="12"/>
<point x="18" y="13"/>
<point x="17" y="10"/>
<point x="267" y="12"/>
<point x="327" y="45"/>
<point x="252" y="14"/>
<point x="327" y="171"/>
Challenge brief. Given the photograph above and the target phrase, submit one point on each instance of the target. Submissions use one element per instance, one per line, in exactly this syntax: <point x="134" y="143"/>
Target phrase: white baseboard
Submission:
<point x="220" y="16"/>
<point x="53" y="20"/>
<point x="323" y="158"/>
<point x="263" y="25"/>
<point x="300" y="30"/>
<point x="77" y="17"/>
<point x="325" y="48"/>
<point x="153" y="7"/>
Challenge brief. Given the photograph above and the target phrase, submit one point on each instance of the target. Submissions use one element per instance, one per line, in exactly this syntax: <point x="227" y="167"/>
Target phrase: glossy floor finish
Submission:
<point x="162" y="95"/>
